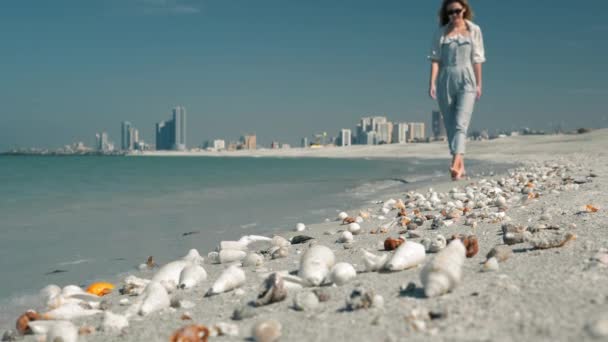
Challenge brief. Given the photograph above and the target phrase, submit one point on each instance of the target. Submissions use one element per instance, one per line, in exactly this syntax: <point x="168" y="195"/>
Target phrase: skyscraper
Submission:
<point x="249" y="142"/>
<point x="384" y="132"/>
<point x="125" y="130"/>
<point x="179" y="122"/>
<point x="165" y="135"/>
<point x="345" y="137"/>
<point x="400" y="132"/>
<point x="305" y="142"/>
<point x="439" y="132"/>
<point x="416" y="131"/>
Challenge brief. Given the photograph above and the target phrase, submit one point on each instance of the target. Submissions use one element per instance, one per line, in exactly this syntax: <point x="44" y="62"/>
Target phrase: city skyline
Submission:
<point x="241" y="66"/>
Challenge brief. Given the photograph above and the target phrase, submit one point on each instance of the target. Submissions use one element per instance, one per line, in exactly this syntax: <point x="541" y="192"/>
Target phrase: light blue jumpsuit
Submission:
<point x="456" y="85"/>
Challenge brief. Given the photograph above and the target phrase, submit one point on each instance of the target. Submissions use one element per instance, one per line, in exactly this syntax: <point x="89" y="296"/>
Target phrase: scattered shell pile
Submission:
<point x="487" y="201"/>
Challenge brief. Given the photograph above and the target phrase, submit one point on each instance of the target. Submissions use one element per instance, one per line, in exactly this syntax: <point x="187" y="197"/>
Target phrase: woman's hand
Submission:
<point x="478" y="92"/>
<point x="433" y="92"/>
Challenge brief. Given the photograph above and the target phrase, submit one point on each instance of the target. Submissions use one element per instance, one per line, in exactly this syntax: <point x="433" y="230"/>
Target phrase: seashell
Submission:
<point x="213" y="257"/>
<point x="385" y="210"/>
<point x="591" y="208"/>
<point x="358" y="219"/>
<point x="546" y="241"/>
<point x="154" y="298"/>
<point x="134" y="286"/>
<point x="298" y="239"/>
<point x="512" y="238"/>
<point x="490" y="265"/>
<point x="253" y="259"/>
<point x="361" y="298"/>
<point x="86" y="330"/>
<point x="272" y="291"/>
<point x="193" y="256"/>
<point x="300" y="227"/>
<point x="280" y="241"/>
<point x="373" y="262"/>
<point x="231" y="255"/>
<point x="342" y="273"/>
<point x="100" y="288"/>
<point x="501" y="253"/>
<point x="305" y="301"/>
<point x="444" y="272"/>
<point x="280" y="252"/>
<point x="224" y="329"/>
<point x="364" y="215"/>
<point x="315" y="264"/>
<point x="191" y="275"/>
<point x="267" y="331"/>
<point x="399" y="204"/>
<point x="170" y="272"/>
<point x="349" y="220"/>
<point x="500" y="201"/>
<point x="25" y="319"/>
<point x="233" y="245"/>
<point x="190" y="333"/>
<point x="391" y="244"/>
<point x="59" y="330"/>
<point x="232" y="278"/>
<point x="404" y="221"/>
<point x="470" y="243"/>
<point x="354" y="228"/>
<point x="114" y="322"/>
<point x="389" y="203"/>
<point x="69" y="311"/>
<point x="342" y="216"/>
<point x="408" y="255"/>
<point x="346" y="237"/>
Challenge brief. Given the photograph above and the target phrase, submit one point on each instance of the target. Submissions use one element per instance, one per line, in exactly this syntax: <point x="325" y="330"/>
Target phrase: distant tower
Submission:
<point x="126" y="131"/>
<point x="345" y="137"/>
<point x="179" y="122"/>
<point x="304" y="142"/>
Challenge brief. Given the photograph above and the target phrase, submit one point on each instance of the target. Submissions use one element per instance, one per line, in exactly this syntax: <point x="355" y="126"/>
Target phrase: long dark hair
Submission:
<point x="444" y="18"/>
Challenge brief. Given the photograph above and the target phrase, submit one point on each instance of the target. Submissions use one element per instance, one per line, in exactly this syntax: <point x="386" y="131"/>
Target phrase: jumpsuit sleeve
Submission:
<point x="479" y="54"/>
<point x="436" y="47"/>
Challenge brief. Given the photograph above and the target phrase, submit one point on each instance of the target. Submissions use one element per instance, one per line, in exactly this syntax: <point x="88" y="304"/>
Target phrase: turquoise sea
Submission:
<point x="72" y="220"/>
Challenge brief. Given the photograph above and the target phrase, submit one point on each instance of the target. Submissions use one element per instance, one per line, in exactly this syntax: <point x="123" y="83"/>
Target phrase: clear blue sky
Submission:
<point x="282" y="68"/>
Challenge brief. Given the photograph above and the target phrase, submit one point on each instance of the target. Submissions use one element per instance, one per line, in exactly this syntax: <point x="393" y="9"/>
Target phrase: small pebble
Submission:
<point x="305" y="301"/>
<point x="491" y="265"/>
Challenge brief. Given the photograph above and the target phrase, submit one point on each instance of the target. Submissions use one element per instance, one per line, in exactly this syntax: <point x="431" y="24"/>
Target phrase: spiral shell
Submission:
<point x="444" y="272"/>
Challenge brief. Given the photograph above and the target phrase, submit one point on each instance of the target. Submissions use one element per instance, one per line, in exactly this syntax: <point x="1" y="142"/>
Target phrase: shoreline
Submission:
<point x="536" y="294"/>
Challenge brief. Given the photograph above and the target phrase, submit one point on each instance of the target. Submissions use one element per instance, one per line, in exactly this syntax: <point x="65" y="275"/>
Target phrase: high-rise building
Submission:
<point x="439" y="132"/>
<point x="171" y="134"/>
<point x="102" y="143"/>
<point x="345" y="137"/>
<point x="179" y="122"/>
<point x="416" y="131"/>
<point x="369" y="138"/>
<point x="384" y="132"/>
<point x="305" y="142"/>
<point x="400" y="133"/>
<point x="249" y="142"/>
<point x="126" y="143"/>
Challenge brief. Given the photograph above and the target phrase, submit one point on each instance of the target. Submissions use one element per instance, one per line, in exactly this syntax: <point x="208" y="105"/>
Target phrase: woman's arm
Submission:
<point x="477" y="69"/>
<point x="433" y="79"/>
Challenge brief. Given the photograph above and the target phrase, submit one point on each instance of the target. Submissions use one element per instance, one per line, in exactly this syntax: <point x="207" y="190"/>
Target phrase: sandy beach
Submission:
<point x="554" y="294"/>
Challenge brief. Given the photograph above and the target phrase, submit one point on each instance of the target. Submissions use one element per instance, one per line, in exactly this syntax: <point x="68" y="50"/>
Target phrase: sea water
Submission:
<point x="73" y="220"/>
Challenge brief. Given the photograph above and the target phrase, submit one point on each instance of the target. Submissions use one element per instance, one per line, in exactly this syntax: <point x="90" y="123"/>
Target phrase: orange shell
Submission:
<point x="392" y="244"/>
<point x="349" y="220"/>
<point x="24" y="319"/>
<point x="100" y="288"/>
<point x="591" y="208"/>
<point x="190" y="333"/>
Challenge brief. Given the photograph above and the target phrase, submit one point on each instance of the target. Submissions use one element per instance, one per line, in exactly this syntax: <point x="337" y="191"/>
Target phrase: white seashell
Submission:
<point x="213" y="257"/>
<point x="69" y="311"/>
<point x="300" y="227"/>
<point x="280" y="241"/>
<point x="253" y="259"/>
<point x="346" y="237"/>
<point x="114" y="322"/>
<point x="234" y="245"/>
<point x="51" y="296"/>
<point x="53" y="331"/>
<point x="409" y="254"/>
<point x="342" y="216"/>
<point x="135" y="285"/>
<point x="225" y="329"/>
<point x="191" y="275"/>
<point x="500" y="201"/>
<point x="342" y="273"/>
<point x="437" y="244"/>
<point x="232" y="278"/>
<point x="385" y="210"/>
<point x="390" y="203"/>
<point x="354" y="228"/>
<point x="490" y="265"/>
<point x="124" y="302"/>
<point x="154" y="298"/>
<point x="358" y="219"/>
<point x="170" y="272"/>
<point x="381" y="218"/>
<point x="279" y="252"/>
<point x="193" y="256"/>
<point x="444" y="272"/>
<point x="315" y="264"/>
<point x="373" y="262"/>
<point x="231" y="255"/>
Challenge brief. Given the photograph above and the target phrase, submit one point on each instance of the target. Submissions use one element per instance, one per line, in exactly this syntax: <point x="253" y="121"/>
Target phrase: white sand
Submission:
<point x="538" y="295"/>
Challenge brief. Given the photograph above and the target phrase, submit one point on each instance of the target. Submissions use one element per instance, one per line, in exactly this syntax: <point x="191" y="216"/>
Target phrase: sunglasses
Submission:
<point x="454" y="11"/>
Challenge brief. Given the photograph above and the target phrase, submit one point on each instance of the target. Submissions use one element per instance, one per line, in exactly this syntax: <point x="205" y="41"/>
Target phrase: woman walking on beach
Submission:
<point x="456" y="56"/>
